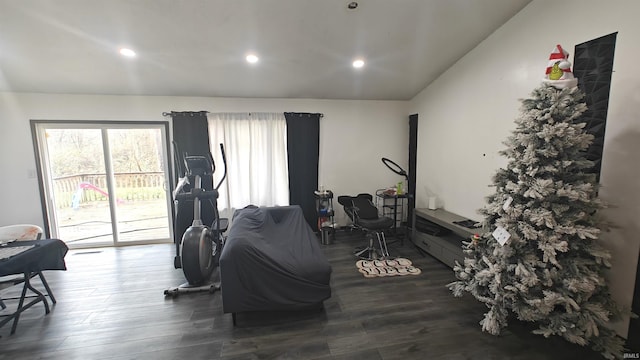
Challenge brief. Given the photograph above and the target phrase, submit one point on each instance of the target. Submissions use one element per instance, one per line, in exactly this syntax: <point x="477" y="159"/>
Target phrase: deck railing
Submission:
<point x="73" y="190"/>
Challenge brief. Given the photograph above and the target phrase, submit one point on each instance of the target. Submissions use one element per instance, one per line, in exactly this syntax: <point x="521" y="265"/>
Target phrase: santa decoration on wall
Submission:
<point x="558" y="71"/>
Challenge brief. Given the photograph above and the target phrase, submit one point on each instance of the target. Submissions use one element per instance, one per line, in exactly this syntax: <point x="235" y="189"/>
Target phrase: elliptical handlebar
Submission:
<point x="198" y="193"/>
<point x="224" y="161"/>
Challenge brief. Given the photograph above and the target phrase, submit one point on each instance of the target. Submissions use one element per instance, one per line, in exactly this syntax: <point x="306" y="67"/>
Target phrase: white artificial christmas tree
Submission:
<point x="541" y="260"/>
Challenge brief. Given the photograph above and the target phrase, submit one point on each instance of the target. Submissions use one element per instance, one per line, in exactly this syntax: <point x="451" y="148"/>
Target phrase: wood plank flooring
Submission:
<point x="111" y="306"/>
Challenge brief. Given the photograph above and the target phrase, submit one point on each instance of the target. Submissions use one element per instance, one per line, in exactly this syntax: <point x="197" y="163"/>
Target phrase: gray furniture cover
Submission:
<point x="272" y="260"/>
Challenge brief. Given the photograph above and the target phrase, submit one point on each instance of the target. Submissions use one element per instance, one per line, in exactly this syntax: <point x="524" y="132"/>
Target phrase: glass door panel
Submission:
<point x="83" y="164"/>
<point x="79" y="187"/>
<point x="141" y="192"/>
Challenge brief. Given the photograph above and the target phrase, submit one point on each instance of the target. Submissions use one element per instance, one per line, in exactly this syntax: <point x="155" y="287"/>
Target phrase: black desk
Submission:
<point x="47" y="254"/>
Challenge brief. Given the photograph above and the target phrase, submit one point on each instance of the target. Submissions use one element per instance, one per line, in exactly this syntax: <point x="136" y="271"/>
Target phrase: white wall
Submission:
<point x="354" y="135"/>
<point x="466" y="114"/>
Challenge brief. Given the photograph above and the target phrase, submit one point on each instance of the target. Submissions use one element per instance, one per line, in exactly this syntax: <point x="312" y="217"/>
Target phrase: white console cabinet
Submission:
<point x="446" y="248"/>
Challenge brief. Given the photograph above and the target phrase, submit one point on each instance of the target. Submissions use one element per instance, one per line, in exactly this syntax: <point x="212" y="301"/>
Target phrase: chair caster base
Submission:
<point x="368" y="254"/>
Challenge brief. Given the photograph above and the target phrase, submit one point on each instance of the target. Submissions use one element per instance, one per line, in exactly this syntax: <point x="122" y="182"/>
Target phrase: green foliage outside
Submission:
<point x="76" y="153"/>
<point x="79" y="151"/>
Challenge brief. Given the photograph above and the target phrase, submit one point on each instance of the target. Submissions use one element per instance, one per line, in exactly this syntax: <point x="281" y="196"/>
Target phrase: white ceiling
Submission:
<point x="197" y="47"/>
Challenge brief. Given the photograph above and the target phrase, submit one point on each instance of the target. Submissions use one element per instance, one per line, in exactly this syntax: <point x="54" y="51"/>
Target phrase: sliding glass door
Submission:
<point x="105" y="183"/>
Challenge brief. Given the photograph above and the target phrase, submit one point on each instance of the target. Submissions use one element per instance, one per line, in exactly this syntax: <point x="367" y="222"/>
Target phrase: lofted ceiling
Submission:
<point x="198" y="47"/>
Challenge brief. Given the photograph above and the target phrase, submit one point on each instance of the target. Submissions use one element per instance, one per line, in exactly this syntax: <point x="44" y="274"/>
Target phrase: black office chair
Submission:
<point x="364" y="215"/>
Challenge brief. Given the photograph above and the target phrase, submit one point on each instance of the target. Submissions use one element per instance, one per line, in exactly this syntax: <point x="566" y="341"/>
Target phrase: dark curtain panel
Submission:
<point x="190" y="137"/>
<point x="593" y="66"/>
<point x="413" y="150"/>
<point x="303" y="149"/>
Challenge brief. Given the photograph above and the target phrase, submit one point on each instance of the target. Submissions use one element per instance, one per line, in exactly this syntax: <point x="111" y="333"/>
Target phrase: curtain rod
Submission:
<point x="184" y="113"/>
<point x="207" y="112"/>
<point x="308" y="114"/>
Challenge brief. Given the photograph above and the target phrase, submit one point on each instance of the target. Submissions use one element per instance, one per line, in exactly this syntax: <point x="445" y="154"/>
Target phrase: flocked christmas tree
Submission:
<point x="541" y="259"/>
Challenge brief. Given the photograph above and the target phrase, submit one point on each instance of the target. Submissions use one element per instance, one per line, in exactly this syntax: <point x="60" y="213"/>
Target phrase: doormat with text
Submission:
<point x="387" y="267"/>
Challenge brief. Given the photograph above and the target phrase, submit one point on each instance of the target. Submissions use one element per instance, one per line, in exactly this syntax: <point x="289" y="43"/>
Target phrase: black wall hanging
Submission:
<point x="593" y="66"/>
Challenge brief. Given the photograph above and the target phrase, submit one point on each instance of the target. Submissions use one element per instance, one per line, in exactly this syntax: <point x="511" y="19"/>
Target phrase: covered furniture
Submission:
<point x="364" y="215"/>
<point x="29" y="258"/>
<point x="272" y="260"/>
<point x="21" y="232"/>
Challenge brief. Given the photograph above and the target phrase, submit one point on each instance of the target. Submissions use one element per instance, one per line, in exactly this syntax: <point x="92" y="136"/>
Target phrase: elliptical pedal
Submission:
<point x="186" y="288"/>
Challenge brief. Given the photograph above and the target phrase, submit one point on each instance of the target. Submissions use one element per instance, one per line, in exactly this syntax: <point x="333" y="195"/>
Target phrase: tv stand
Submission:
<point x="447" y="247"/>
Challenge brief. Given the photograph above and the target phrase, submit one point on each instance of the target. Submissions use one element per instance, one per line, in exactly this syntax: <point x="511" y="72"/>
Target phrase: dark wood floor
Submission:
<point x="111" y="306"/>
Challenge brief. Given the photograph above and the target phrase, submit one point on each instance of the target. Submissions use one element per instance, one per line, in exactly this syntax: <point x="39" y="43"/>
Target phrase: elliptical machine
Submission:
<point x="198" y="252"/>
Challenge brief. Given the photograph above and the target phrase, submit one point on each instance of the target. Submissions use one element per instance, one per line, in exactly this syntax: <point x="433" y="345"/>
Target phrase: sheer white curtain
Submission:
<point x="256" y="149"/>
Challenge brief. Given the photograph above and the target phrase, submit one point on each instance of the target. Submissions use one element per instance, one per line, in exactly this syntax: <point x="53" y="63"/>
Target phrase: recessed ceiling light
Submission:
<point x="252" y="59"/>
<point x="127" y="52"/>
<point x="358" y="63"/>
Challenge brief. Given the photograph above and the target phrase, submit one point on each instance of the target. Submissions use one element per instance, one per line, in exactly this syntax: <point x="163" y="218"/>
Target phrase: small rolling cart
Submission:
<point x="324" y="208"/>
<point x="391" y="204"/>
